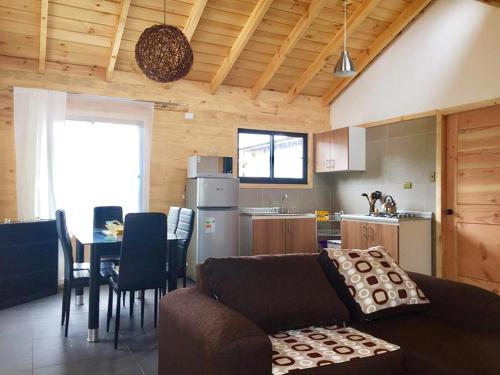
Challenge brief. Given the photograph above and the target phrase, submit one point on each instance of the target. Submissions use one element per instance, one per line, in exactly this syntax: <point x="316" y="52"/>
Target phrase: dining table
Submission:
<point x="103" y="245"/>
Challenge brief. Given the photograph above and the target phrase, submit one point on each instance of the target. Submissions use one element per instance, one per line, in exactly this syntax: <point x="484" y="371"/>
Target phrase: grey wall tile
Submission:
<point x="250" y="197"/>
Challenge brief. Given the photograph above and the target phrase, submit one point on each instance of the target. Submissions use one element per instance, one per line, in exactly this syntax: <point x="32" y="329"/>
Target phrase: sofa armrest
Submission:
<point x="199" y="335"/>
<point x="461" y="304"/>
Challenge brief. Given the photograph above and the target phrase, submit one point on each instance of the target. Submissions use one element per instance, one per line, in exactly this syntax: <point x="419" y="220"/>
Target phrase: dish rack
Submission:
<point x="328" y="230"/>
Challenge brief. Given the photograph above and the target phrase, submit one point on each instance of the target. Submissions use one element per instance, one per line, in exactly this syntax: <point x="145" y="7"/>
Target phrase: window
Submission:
<point x="99" y="163"/>
<point x="272" y="157"/>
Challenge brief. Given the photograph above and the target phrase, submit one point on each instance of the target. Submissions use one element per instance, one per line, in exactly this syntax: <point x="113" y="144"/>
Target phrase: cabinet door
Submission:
<point x="268" y="236"/>
<point x="322" y="152"/>
<point x="301" y="236"/>
<point x="384" y="235"/>
<point x="354" y="234"/>
<point x="340" y="150"/>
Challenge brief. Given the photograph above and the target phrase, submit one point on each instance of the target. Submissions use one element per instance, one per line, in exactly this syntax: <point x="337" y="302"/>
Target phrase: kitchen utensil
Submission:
<point x="389" y="205"/>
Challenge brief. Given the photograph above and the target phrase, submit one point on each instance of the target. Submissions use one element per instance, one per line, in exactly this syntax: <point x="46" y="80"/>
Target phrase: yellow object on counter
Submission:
<point x="322" y="215"/>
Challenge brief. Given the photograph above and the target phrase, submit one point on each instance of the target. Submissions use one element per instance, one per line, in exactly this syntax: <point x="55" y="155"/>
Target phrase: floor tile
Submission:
<point x="122" y="366"/>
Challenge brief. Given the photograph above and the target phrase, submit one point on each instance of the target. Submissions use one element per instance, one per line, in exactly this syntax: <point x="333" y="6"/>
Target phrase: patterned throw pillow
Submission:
<point x="371" y="283"/>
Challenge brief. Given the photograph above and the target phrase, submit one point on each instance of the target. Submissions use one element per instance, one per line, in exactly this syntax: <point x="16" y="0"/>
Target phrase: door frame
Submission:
<point x="441" y="132"/>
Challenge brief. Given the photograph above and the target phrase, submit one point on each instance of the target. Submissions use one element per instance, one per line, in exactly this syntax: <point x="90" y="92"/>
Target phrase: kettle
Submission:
<point x="389" y="205"/>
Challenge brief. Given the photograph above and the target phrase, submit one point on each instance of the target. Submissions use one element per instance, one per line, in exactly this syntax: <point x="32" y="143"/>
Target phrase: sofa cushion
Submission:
<point x="431" y="346"/>
<point x="327" y="346"/>
<point x="276" y="292"/>
<point x="371" y="283"/>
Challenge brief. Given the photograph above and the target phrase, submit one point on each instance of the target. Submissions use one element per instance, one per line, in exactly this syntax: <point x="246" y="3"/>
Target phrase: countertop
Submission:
<point x="261" y="216"/>
<point x="389" y="220"/>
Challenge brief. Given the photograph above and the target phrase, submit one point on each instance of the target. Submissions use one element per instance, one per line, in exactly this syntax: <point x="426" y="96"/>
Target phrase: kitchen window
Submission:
<point x="272" y="157"/>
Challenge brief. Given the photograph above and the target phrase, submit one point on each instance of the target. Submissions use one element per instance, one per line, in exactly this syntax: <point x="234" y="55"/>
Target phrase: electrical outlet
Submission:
<point x="188" y="115"/>
<point x="432" y="177"/>
<point x="407" y="185"/>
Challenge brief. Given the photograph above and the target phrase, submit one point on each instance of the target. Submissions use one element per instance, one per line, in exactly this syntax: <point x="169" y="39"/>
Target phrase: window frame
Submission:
<point x="276" y="180"/>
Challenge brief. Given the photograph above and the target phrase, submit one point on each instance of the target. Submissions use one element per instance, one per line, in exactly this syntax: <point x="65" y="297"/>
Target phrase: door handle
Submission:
<point x="449" y="211"/>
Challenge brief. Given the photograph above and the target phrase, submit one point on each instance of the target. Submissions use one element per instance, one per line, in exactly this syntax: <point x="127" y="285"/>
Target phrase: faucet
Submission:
<point x="283" y="199"/>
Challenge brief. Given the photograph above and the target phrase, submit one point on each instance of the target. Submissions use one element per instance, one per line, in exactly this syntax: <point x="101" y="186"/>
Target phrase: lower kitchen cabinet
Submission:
<point x="362" y="235"/>
<point x="407" y="241"/>
<point x="260" y="235"/>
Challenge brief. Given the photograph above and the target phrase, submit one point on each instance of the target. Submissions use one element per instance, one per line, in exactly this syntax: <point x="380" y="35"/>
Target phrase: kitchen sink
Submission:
<point x="268" y="211"/>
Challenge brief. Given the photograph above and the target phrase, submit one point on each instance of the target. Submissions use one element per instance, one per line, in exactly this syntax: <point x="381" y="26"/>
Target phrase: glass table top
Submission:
<point x="90" y="236"/>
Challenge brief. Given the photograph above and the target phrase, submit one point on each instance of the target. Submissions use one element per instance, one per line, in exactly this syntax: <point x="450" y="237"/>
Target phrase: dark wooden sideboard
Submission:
<point x="28" y="261"/>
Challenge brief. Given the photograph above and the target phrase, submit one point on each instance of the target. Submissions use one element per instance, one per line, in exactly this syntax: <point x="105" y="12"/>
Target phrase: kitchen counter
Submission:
<point x="387" y="220"/>
<point x="261" y="216"/>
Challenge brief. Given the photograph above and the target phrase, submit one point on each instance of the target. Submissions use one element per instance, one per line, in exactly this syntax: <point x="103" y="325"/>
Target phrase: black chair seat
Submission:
<point x="86" y="265"/>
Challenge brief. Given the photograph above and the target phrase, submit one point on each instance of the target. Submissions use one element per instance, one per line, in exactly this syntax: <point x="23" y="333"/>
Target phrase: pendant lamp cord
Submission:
<point x="345" y="25"/>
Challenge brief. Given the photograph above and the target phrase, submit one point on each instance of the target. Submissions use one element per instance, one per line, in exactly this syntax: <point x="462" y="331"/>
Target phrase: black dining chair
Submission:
<point x="173" y="219"/>
<point x="73" y="277"/>
<point x="142" y="262"/>
<point x="184" y="233"/>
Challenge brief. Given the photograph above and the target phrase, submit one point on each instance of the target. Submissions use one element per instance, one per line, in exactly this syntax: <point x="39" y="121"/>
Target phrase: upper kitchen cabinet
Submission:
<point x="340" y="150"/>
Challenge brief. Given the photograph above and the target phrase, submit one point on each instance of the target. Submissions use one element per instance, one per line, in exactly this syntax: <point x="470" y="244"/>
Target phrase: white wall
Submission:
<point x="449" y="56"/>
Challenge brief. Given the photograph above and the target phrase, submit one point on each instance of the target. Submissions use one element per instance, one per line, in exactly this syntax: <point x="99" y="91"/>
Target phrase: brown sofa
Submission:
<point x="222" y="326"/>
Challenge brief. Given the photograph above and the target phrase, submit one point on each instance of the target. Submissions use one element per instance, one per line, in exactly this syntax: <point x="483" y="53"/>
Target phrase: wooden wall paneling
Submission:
<point x="251" y="24"/>
<point x="8" y="196"/>
<point x="211" y="132"/>
<point x="353" y="22"/>
<point x="389" y="34"/>
<point x="44" y="7"/>
<point x="117" y="38"/>
<point x="440" y="192"/>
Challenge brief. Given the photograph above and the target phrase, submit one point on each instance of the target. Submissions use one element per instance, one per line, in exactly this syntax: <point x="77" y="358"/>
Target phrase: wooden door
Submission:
<point x="268" y="236"/>
<point x="471" y="230"/>
<point x="340" y="150"/>
<point x="385" y="235"/>
<point x="322" y="152"/>
<point x="301" y="236"/>
<point x="354" y="234"/>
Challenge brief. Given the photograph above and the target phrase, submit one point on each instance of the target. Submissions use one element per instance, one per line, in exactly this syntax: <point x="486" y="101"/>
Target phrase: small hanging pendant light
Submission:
<point x="345" y="67"/>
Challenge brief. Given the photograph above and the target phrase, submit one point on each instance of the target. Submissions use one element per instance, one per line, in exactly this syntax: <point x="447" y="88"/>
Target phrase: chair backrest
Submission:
<point x="107" y="213"/>
<point x="184" y="233"/>
<point x="173" y="219"/>
<point x="62" y="233"/>
<point x="143" y="253"/>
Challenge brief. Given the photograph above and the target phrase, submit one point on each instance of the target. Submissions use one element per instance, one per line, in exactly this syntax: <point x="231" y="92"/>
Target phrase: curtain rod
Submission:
<point x="159" y="105"/>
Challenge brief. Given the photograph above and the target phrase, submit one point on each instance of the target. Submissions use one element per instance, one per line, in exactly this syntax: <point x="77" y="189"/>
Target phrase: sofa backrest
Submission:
<point x="276" y="292"/>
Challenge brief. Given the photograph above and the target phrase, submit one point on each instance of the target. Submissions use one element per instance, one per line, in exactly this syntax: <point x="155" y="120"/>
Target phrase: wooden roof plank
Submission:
<point x="44" y="9"/>
<point x="290" y="42"/>
<point x="407" y="16"/>
<point x="359" y="15"/>
<point x="117" y="39"/>
<point x="246" y="33"/>
<point x="194" y="18"/>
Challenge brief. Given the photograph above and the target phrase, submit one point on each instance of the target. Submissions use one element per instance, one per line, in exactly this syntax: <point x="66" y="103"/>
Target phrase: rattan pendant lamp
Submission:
<point x="163" y="52"/>
<point x="345" y="67"/>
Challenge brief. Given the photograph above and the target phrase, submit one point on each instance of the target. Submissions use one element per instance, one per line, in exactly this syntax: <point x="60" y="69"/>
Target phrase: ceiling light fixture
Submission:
<point x="345" y="67"/>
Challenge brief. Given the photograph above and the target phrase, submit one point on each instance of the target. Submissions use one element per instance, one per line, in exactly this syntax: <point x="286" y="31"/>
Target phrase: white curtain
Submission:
<point x="36" y="113"/>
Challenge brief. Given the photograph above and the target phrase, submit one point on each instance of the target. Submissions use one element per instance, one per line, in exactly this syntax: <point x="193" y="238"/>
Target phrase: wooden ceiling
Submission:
<point x="289" y="46"/>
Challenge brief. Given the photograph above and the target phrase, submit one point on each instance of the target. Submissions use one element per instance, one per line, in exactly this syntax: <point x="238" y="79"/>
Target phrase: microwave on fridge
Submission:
<point x="210" y="166"/>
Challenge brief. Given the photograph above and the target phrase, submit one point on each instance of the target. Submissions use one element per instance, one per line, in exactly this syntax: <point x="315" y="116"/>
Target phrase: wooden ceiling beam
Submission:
<point x="290" y="42"/>
<point x="239" y="44"/>
<point x="382" y="41"/>
<point x="359" y="15"/>
<point x="194" y="18"/>
<point x="495" y="3"/>
<point x="117" y="39"/>
<point x="44" y="10"/>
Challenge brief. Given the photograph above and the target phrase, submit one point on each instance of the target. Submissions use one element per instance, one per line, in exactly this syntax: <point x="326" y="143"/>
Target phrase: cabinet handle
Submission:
<point x="332" y="164"/>
<point x="363" y="231"/>
<point x="282" y="227"/>
<point x="371" y="231"/>
<point x="328" y="164"/>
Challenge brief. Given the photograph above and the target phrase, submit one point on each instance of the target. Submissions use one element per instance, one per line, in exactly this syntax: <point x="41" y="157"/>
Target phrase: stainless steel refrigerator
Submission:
<point x="216" y="228"/>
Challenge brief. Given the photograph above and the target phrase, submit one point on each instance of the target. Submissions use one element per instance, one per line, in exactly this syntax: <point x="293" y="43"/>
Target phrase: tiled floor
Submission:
<point x="32" y="340"/>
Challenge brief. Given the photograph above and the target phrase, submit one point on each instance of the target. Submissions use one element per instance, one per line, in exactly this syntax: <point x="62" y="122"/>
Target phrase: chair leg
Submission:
<point x="142" y="308"/>
<point x="68" y="307"/>
<point x="110" y="307"/>
<point x="124" y="295"/>
<point x="117" y="318"/>
<point x="132" y="301"/>
<point x="64" y="297"/>
<point x="156" y="305"/>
